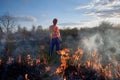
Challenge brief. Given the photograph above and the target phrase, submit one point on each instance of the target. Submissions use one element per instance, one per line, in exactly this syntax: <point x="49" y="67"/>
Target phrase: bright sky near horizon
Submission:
<point x="70" y="13"/>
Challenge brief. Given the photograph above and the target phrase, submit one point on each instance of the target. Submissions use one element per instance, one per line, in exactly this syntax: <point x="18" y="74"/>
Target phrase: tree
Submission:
<point x="105" y="25"/>
<point x="1" y="31"/>
<point x="33" y="28"/>
<point x="19" y="29"/>
<point x="39" y="28"/>
<point x="7" y="23"/>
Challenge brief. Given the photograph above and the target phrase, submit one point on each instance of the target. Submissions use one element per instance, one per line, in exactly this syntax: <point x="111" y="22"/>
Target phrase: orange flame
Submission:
<point x="110" y="71"/>
<point x="64" y="58"/>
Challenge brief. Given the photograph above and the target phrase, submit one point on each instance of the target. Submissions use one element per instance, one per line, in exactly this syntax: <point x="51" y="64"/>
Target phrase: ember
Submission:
<point x="23" y="69"/>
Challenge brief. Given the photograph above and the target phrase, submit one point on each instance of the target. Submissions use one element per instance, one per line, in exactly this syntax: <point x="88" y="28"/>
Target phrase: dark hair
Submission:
<point x="55" y="21"/>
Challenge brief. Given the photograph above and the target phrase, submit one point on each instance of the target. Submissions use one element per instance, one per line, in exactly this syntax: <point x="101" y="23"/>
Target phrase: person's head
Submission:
<point x="55" y="21"/>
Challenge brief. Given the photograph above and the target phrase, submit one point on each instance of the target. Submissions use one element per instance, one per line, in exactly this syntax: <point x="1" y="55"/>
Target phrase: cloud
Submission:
<point x="26" y="18"/>
<point x="95" y="12"/>
<point x="108" y="5"/>
<point x="96" y="21"/>
<point x="109" y="13"/>
<point x="69" y="24"/>
<point x="101" y="10"/>
<point x="89" y="6"/>
<point x="96" y="1"/>
<point x="102" y="7"/>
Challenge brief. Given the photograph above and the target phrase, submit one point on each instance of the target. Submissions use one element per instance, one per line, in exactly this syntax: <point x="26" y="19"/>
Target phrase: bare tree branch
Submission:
<point x="7" y="23"/>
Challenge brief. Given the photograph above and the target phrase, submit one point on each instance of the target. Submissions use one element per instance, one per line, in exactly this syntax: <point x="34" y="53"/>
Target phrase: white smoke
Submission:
<point x="92" y="42"/>
<point x="106" y="42"/>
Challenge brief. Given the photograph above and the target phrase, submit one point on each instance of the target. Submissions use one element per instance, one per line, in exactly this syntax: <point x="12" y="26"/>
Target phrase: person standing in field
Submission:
<point x="55" y="37"/>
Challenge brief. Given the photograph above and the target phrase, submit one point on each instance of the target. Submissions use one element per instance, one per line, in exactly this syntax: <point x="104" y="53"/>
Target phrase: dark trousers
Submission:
<point x="55" y="42"/>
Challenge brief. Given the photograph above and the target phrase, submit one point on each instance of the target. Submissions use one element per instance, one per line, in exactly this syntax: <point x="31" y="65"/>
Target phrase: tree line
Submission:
<point x="11" y="31"/>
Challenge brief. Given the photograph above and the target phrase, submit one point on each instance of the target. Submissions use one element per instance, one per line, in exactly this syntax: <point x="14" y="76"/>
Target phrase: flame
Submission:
<point x="76" y="57"/>
<point x="111" y="71"/>
<point x="64" y="58"/>
<point x="47" y="68"/>
<point x="64" y="78"/>
<point x="0" y="61"/>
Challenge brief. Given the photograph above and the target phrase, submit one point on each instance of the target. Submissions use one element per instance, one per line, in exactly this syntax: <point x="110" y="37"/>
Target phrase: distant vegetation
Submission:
<point x="19" y="38"/>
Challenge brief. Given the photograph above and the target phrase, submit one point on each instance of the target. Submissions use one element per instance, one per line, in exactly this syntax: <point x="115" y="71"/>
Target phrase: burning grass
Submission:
<point x="74" y="67"/>
<point x="62" y="66"/>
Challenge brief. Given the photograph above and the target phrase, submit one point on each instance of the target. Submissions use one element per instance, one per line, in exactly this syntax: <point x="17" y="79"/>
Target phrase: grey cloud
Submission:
<point x="105" y="2"/>
<point x="100" y="10"/>
<point x="89" y="6"/>
<point x="105" y="8"/>
<point x="116" y="6"/>
<point x="96" y="1"/>
<point x="25" y="18"/>
<point x="112" y="11"/>
<point x="111" y="0"/>
<point x="108" y="13"/>
<point x="69" y="24"/>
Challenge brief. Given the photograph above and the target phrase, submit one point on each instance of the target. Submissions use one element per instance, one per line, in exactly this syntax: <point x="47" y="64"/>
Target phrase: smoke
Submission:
<point x="90" y="43"/>
<point x="26" y="47"/>
<point x="22" y="44"/>
<point x="106" y="41"/>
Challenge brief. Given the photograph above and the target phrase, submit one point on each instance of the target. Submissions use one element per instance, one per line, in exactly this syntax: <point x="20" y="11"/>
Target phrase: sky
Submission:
<point x="70" y="13"/>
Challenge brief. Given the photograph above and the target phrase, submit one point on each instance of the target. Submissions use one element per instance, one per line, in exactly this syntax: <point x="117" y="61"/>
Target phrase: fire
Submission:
<point x="73" y="65"/>
<point x="93" y="63"/>
<point x="0" y="61"/>
<point x="64" y="58"/>
<point x="76" y="57"/>
<point x="64" y="79"/>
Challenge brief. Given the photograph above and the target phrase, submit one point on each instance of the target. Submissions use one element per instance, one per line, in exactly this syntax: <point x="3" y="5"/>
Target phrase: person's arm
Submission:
<point x="60" y="38"/>
<point x="58" y="32"/>
<point x="50" y="32"/>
